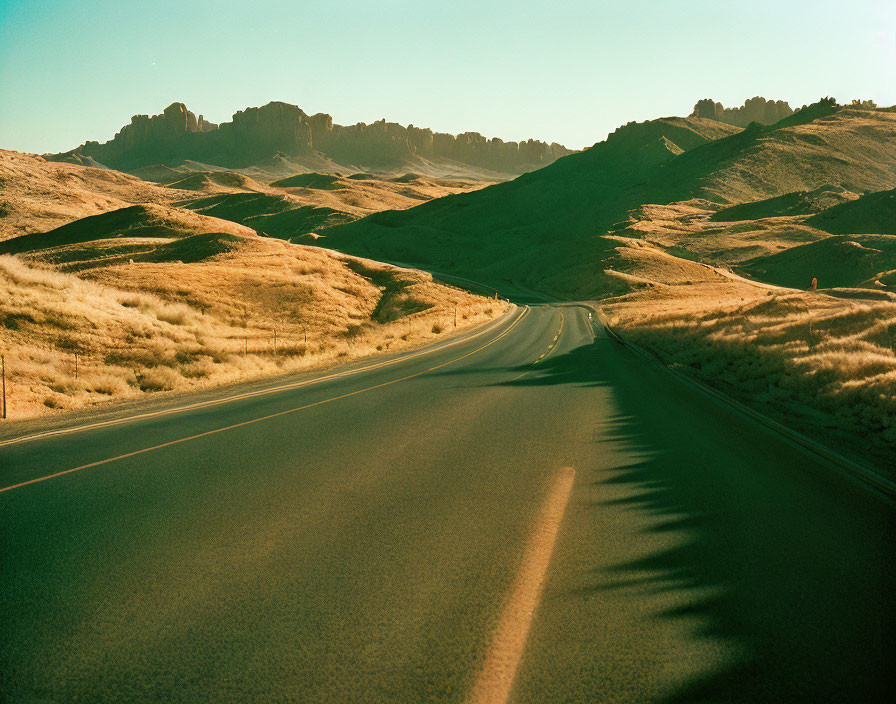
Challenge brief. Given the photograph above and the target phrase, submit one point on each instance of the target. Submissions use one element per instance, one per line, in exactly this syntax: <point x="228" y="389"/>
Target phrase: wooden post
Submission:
<point x="305" y="334"/>
<point x="76" y="365"/>
<point x="275" y="342"/>
<point x="809" y="319"/>
<point x="3" y="375"/>
<point x="455" y="316"/>
<point x="246" y="346"/>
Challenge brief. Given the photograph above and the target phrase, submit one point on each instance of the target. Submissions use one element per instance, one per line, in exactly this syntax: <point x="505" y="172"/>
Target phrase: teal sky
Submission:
<point x="564" y="71"/>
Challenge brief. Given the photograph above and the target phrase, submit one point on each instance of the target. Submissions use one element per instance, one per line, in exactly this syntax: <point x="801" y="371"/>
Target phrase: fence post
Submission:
<point x="3" y="375"/>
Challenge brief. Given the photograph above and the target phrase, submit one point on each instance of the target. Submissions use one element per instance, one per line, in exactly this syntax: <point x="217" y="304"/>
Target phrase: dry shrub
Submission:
<point x="107" y="385"/>
<point x="158" y="379"/>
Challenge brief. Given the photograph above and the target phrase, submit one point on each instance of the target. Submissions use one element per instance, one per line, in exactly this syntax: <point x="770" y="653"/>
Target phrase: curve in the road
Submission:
<point x="272" y="415"/>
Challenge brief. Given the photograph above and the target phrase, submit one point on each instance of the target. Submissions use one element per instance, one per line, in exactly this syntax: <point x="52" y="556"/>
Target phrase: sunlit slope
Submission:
<point x="544" y="229"/>
<point x="300" y="204"/>
<point x="38" y="195"/>
<point x="174" y="306"/>
<point x="136" y="221"/>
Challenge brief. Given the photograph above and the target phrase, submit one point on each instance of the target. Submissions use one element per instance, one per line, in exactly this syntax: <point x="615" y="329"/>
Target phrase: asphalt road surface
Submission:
<point x="532" y="514"/>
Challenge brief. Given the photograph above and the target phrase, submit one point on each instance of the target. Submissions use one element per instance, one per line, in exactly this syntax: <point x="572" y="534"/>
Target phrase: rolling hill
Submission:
<point x="848" y="261"/>
<point x="874" y="213"/>
<point x="37" y="195"/>
<point x="547" y="229"/>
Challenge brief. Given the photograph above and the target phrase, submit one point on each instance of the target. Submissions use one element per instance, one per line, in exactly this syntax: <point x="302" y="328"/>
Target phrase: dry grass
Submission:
<point x="362" y="196"/>
<point x="38" y="195"/>
<point x="262" y="308"/>
<point x="822" y="364"/>
<point x="148" y="302"/>
<point x="853" y="147"/>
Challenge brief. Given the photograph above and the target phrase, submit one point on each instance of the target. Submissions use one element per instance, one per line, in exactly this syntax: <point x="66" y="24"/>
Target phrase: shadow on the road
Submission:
<point x="780" y="561"/>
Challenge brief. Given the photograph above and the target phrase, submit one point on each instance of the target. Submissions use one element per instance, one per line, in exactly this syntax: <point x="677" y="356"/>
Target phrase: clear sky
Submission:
<point x="566" y="71"/>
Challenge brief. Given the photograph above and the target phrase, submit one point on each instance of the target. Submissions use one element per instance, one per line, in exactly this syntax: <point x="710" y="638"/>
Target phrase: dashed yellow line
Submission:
<point x="553" y="343"/>
<point x="267" y="417"/>
<point x="495" y="681"/>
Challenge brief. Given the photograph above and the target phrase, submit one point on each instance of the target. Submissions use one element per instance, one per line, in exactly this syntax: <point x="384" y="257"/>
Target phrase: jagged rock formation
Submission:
<point x="755" y="109"/>
<point x="279" y="130"/>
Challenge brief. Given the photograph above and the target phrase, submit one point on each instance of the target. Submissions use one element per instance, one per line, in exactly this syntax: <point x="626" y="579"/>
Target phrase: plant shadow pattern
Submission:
<point x="768" y="558"/>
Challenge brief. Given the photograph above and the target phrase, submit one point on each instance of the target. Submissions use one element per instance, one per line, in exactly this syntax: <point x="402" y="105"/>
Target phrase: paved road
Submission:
<point x="645" y="543"/>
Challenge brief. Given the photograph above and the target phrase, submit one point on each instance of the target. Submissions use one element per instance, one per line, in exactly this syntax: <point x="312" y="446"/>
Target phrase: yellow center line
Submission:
<point x="267" y="417"/>
<point x="495" y="680"/>
<point x="553" y="343"/>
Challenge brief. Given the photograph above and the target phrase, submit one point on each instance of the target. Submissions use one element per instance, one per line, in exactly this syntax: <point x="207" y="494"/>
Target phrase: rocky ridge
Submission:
<point x="276" y="130"/>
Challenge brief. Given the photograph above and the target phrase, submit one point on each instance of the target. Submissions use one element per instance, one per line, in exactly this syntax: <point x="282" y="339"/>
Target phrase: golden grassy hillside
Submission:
<point x="249" y="308"/>
<point x="38" y="195"/>
<point x="818" y="363"/>
<point x="298" y="205"/>
<point x="109" y="291"/>
<point x="126" y="230"/>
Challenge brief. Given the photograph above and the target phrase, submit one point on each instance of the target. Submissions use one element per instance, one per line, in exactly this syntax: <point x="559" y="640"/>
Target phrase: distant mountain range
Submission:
<point x="279" y="139"/>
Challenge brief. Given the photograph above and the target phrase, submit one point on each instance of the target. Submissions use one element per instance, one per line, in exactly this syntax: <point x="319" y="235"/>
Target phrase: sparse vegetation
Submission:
<point x="153" y="326"/>
<point x="824" y="365"/>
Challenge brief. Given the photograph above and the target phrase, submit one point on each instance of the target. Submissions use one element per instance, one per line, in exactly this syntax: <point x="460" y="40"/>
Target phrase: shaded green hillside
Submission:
<point x="874" y="213"/>
<point x="796" y="203"/>
<point x="544" y="228"/>
<point x="839" y="261"/>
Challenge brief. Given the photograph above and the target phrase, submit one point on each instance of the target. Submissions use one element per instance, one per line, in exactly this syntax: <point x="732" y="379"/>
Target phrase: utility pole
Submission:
<point x="76" y="365"/>
<point x="275" y="342"/>
<point x="3" y="375"/>
<point x="455" y="316"/>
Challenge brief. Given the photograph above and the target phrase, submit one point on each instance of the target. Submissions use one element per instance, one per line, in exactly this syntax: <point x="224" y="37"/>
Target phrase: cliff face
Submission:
<point x="756" y="109"/>
<point x="257" y="134"/>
